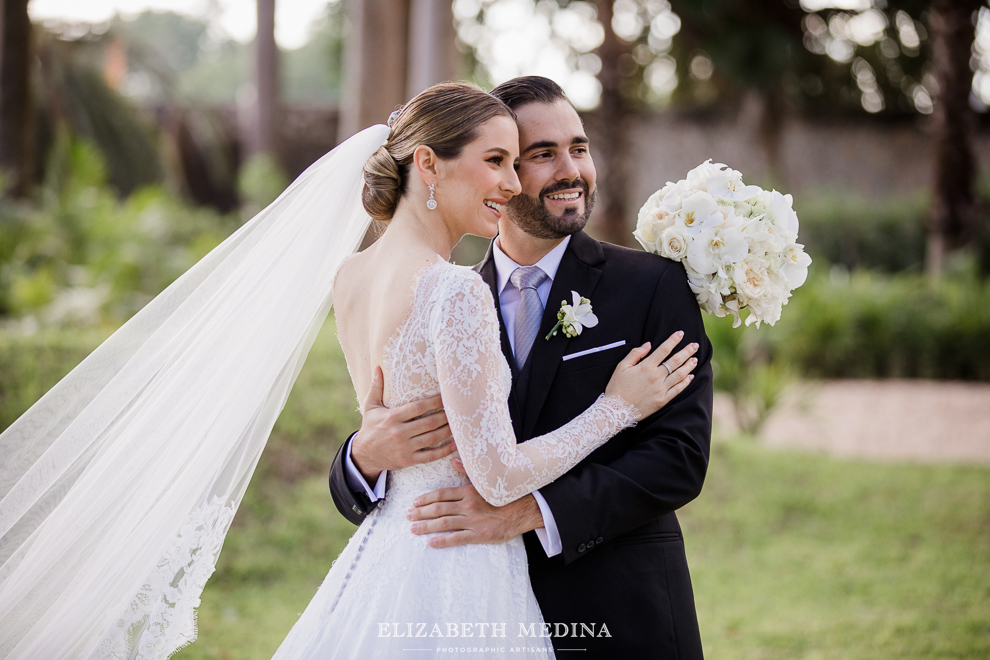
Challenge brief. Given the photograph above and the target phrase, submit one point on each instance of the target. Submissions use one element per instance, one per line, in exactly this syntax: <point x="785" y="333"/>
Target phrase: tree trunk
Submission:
<point x="432" y="45"/>
<point x="375" y="70"/>
<point x="265" y="137"/>
<point x="951" y="221"/>
<point x="375" y="63"/>
<point x="15" y="97"/>
<point x="613" y="223"/>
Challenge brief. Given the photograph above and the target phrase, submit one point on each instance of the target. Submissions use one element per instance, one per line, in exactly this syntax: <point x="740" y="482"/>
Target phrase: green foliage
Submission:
<point x="743" y="370"/>
<point x="30" y="365"/>
<point x="314" y="71"/>
<point x="882" y="234"/>
<point x="872" y="326"/>
<point x="179" y="57"/>
<point x="320" y="412"/>
<point x="162" y="41"/>
<point x="260" y="182"/>
<point x="81" y="256"/>
<point x="75" y="95"/>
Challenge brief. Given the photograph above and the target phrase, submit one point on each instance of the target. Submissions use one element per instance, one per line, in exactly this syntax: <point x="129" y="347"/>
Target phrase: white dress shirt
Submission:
<point x="508" y="300"/>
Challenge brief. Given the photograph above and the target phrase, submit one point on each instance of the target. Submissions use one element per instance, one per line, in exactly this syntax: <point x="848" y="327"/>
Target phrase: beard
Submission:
<point x="532" y="216"/>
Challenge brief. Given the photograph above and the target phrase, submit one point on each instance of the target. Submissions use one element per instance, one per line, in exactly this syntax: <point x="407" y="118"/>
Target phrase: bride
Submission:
<point x="118" y="486"/>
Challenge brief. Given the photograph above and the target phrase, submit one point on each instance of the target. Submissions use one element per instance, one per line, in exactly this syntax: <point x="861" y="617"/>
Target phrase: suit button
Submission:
<point x="599" y="540"/>
<point x="356" y="509"/>
<point x="591" y="544"/>
<point x="582" y="547"/>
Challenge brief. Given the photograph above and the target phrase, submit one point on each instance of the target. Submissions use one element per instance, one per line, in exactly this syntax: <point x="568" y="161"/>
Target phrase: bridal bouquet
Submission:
<point x="738" y="243"/>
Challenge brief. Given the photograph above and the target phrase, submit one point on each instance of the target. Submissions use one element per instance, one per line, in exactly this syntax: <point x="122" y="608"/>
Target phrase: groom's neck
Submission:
<point x="521" y="247"/>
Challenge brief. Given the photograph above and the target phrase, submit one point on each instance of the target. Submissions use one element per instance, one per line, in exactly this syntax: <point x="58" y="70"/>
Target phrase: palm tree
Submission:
<point x="15" y="96"/>
<point x="265" y="133"/>
<point x="952" y="219"/>
<point x="612" y="119"/>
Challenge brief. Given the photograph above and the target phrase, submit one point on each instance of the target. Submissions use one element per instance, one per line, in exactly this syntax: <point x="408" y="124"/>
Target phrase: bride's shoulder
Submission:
<point x="350" y="265"/>
<point x="452" y="279"/>
<point x="455" y="287"/>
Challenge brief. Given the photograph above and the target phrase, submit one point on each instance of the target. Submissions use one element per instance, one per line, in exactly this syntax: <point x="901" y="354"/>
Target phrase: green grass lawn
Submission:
<point x="793" y="556"/>
<point x="803" y="556"/>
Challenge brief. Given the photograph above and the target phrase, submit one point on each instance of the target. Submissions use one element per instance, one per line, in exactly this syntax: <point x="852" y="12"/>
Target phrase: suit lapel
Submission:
<point x="487" y="271"/>
<point x="579" y="270"/>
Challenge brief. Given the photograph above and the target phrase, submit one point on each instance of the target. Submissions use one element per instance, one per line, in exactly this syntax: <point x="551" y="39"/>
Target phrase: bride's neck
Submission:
<point x="410" y="228"/>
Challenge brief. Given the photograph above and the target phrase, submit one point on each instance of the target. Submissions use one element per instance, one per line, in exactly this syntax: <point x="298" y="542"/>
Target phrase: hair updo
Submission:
<point x="445" y="118"/>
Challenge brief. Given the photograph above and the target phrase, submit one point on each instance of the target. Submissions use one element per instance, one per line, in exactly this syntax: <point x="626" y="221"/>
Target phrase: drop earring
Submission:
<point x="431" y="203"/>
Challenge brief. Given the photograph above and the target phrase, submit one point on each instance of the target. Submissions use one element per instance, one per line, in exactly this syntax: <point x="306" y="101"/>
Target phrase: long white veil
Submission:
<point x="118" y="486"/>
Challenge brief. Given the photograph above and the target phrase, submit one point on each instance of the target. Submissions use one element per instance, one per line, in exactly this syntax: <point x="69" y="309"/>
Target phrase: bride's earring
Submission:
<point x="431" y="203"/>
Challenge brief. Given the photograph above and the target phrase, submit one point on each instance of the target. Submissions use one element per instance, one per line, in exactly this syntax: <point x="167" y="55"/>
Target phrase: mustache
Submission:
<point x="557" y="186"/>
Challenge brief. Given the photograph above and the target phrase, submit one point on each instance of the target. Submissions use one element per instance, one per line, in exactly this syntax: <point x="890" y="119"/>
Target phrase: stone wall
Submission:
<point x="866" y="158"/>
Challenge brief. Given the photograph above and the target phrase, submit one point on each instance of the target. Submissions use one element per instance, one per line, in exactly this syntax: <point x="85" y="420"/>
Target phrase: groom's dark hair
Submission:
<point x="518" y="92"/>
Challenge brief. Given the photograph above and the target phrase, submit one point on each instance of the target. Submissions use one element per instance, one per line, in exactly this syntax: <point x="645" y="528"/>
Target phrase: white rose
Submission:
<point x="671" y="202"/>
<point x="751" y="278"/>
<point x="674" y="243"/>
<point x="644" y="234"/>
<point x="767" y="307"/>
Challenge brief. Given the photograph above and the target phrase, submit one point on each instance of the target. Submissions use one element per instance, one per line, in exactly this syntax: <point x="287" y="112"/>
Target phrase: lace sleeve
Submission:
<point x="474" y="383"/>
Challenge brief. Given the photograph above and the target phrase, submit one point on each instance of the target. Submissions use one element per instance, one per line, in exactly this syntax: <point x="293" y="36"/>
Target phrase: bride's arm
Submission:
<point x="474" y="386"/>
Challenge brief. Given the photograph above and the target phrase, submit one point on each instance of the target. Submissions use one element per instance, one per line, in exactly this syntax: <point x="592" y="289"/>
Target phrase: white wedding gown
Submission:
<point x="388" y="594"/>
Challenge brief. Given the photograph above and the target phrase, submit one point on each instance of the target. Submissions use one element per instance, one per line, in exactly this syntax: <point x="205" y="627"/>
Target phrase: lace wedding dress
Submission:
<point x="388" y="594"/>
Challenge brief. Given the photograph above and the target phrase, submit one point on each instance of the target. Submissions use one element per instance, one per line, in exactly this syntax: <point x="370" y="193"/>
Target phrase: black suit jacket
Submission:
<point x="623" y="563"/>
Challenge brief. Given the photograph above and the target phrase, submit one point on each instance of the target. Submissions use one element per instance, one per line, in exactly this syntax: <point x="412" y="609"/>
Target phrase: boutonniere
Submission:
<point x="572" y="319"/>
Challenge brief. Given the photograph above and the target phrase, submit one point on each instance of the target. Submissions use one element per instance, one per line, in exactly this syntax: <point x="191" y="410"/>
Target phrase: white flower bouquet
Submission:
<point x="738" y="243"/>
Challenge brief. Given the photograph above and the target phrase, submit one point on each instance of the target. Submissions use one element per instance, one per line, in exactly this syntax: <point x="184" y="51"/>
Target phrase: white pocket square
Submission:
<point x="596" y="349"/>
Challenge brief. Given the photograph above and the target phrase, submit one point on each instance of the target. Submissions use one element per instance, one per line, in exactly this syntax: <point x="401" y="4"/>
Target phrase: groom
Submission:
<point x="607" y="551"/>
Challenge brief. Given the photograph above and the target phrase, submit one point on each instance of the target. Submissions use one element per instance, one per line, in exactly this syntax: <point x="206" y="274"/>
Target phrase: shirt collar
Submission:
<point x="504" y="266"/>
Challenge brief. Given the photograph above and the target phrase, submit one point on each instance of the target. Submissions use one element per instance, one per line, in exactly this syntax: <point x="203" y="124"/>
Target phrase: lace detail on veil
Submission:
<point x="162" y="615"/>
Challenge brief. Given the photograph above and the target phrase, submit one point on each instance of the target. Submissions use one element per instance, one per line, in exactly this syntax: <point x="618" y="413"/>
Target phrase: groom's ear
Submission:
<point x="425" y="161"/>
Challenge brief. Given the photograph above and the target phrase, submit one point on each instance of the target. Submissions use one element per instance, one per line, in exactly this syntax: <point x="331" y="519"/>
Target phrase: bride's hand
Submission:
<point x="650" y="382"/>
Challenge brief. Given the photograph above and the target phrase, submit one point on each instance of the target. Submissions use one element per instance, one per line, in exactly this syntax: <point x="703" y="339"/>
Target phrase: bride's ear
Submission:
<point x="425" y="162"/>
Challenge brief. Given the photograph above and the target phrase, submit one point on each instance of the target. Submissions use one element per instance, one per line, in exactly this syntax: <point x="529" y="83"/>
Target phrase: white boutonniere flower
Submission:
<point x="572" y="319"/>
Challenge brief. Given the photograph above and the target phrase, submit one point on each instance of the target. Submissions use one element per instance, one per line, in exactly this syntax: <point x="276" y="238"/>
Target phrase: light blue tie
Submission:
<point x="529" y="314"/>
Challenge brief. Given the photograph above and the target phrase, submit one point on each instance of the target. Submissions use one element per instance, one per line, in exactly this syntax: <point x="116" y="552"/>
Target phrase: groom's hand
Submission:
<point x="470" y="519"/>
<point x="396" y="438"/>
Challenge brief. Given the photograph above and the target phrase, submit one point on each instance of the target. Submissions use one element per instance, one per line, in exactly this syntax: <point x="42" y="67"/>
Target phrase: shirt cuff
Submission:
<point x="548" y="534"/>
<point x="356" y="480"/>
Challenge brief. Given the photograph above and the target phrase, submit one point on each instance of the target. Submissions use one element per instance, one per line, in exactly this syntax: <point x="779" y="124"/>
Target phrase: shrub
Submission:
<point x="886" y="235"/>
<point x="320" y="412"/>
<point x="867" y="325"/>
<point x="742" y="369"/>
<point x="30" y="365"/>
<point x="80" y="256"/>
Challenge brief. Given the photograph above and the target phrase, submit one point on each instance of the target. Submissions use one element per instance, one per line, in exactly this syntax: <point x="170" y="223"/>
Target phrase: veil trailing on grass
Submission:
<point x="118" y="486"/>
